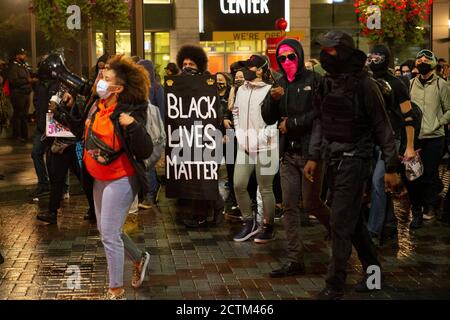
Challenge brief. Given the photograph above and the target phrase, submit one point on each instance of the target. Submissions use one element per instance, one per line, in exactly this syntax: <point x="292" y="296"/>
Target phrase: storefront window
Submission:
<point x="123" y="42"/>
<point x="221" y="54"/>
<point x="157" y="49"/>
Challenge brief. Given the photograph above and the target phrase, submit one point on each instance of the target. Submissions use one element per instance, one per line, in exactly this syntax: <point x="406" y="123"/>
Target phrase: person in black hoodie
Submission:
<point x="292" y="106"/>
<point x="43" y="91"/>
<point x="351" y="115"/>
<point x="403" y="121"/>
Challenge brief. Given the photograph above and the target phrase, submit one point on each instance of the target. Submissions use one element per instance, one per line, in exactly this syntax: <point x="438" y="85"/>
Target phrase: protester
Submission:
<point x="343" y="135"/>
<point x="116" y="143"/>
<point x="172" y="69"/>
<point x="432" y="94"/>
<point x="257" y="148"/>
<point x="382" y="222"/>
<point x="292" y="106"/>
<point x="44" y="89"/>
<point x="192" y="60"/>
<point x="20" y="82"/>
<point x="156" y="97"/>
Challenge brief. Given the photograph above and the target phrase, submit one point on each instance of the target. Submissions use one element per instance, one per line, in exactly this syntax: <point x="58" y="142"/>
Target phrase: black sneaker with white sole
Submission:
<point x="249" y="229"/>
<point x="265" y="234"/>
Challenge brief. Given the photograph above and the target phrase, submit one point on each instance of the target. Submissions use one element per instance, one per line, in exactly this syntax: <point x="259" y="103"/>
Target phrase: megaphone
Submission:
<point x="53" y="67"/>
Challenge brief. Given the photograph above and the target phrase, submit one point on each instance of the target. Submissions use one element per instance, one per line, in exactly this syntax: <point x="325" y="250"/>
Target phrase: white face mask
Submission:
<point x="102" y="89"/>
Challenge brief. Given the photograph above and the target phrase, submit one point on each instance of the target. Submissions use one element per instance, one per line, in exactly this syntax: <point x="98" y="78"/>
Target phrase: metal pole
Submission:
<point x="137" y="29"/>
<point x="33" y="41"/>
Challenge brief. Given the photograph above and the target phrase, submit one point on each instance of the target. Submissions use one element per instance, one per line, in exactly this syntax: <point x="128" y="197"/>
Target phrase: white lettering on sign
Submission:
<point x="74" y="20"/>
<point x="244" y="6"/>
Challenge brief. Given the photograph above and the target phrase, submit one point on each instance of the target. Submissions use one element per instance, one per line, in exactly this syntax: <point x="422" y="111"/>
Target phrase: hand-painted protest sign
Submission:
<point x="192" y="164"/>
<point x="55" y="129"/>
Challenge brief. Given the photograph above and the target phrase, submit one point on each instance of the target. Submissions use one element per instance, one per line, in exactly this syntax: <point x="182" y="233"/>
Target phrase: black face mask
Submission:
<point x="238" y="83"/>
<point x="328" y="62"/>
<point x="424" y="68"/>
<point x="190" y="71"/>
<point x="221" y="86"/>
<point x="249" y="75"/>
<point x="413" y="75"/>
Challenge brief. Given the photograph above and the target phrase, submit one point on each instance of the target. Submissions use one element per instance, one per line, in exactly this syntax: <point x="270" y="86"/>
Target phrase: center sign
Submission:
<point x="242" y="15"/>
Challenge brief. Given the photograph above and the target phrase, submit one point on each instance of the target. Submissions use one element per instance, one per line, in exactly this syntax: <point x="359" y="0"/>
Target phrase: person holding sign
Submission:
<point x="257" y="150"/>
<point x="193" y="61"/>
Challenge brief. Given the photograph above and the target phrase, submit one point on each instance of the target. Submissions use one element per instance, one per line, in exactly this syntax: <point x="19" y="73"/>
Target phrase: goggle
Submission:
<point x="291" y="57"/>
<point x="425" y="53"/>
<point x="375" y="58"/>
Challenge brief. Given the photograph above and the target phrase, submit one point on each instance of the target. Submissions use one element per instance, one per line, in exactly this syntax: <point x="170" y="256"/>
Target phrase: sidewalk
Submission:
<point x="188" y="264"/>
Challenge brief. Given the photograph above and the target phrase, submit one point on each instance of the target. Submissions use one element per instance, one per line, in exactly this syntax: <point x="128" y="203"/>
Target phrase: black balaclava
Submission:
<point x="347" y="60"/>
<point x="379" y="69"/>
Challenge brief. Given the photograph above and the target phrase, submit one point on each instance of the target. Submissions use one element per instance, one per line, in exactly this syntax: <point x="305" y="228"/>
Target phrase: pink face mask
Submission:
<point x="289" y="66"/>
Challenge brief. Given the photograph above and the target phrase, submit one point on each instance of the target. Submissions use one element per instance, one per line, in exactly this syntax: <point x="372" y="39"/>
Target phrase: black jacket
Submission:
<point x="371" y="105"/>
<point x="43" y="91"/>
<point x="135" y="140"/>
<point x="18" y="75"/>
<point x="296" y="104"/>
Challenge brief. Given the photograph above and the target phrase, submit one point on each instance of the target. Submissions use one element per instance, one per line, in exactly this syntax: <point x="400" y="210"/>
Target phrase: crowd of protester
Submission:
<point x="335" y="139"/>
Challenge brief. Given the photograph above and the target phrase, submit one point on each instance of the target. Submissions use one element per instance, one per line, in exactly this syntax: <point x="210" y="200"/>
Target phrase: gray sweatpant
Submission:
<point x="112" y="201"/>
<point x="265" y="172"/>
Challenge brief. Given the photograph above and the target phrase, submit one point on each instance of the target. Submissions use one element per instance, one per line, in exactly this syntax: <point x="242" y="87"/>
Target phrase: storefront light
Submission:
<point x="449" y="24"/>
<point x="166" y="57"/>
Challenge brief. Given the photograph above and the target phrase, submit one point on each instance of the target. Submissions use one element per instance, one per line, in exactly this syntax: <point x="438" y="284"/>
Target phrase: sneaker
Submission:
<point x="39" y="192"/>
<point x="329" y="293"/>
<point x="134" y="211"/>
<point x="278" y="213"/>
<point x="146" y="204"/>
<point x="111" y="296"/>
<point x="234" y="214"/>
<point x="49" y="217"/>
<point x="288" y="269"/>
<point x="139" y="272"/>
<point x="265" y="234"/>
<point x="249" y="229"/>
<point x="194" y="223"/>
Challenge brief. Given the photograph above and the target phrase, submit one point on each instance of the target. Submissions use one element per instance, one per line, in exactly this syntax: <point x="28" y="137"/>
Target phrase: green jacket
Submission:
<point x="434" y="101"/>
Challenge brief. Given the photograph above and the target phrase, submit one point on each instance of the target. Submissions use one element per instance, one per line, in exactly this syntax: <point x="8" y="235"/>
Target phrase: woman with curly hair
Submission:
<point x="116" y="143"/>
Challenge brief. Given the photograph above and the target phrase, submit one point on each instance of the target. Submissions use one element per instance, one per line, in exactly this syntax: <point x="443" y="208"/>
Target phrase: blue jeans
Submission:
<point x="154" y="184"/>
<point x="37" y="154"/>
<point x="382" y="208"/>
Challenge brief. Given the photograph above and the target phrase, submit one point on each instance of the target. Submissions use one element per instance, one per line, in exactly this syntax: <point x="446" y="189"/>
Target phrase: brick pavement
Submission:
<point x="189" y="264"/>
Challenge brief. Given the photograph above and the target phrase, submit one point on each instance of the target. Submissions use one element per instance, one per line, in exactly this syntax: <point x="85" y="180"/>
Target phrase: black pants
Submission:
<point x="21" y="104"/>
<point x="423" y="192"/>
<point x="200" y="208"/>
<point x="347" y="178"/>
<point x="58" y="165"/>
